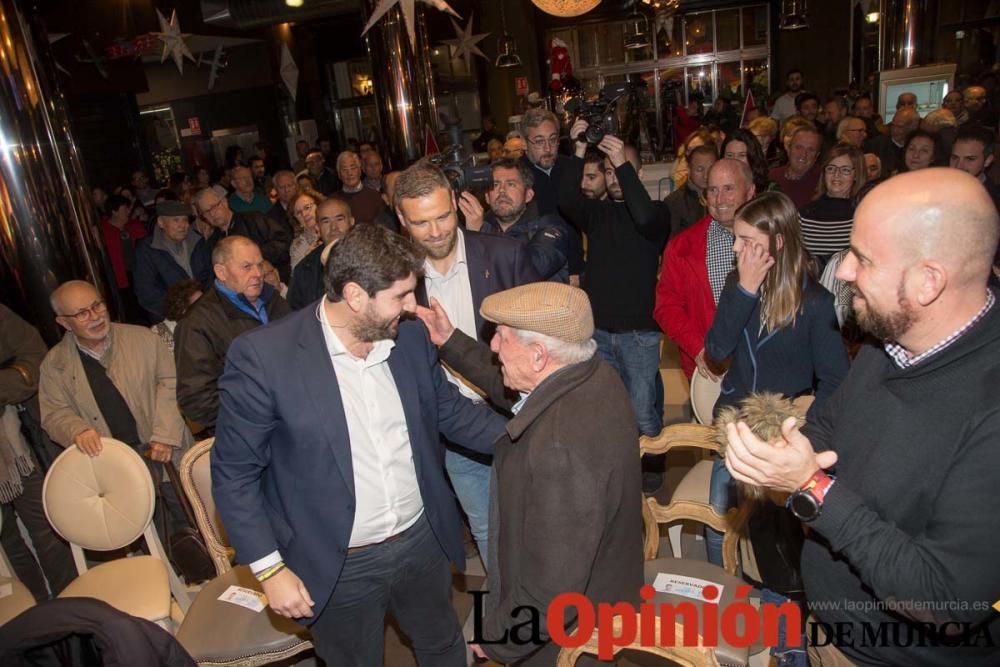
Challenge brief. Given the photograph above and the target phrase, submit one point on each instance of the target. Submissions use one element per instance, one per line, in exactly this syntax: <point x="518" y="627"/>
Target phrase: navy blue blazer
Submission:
<point x="496" y="263"/>
<point x="282" y="472"/>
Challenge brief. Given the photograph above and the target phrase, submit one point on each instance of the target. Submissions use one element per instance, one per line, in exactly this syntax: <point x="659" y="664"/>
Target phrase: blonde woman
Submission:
<point x="304" y="211"/>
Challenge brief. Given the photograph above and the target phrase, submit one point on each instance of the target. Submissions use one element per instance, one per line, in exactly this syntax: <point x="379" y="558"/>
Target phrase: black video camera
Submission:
<point x="462" y="171"/>
<point x="600" y="113"/>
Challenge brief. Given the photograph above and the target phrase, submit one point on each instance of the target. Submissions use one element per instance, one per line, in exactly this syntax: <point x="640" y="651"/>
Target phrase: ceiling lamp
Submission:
<point x="506" y="46"/>
<point x="636" y="31"/>
<point x="793" y="15"/>
<point x="665" y="5"/>
<point x="566" y="8"/>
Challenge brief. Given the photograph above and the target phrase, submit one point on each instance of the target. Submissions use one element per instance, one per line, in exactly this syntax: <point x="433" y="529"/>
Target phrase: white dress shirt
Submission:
<point x="454" y="292"/>
<point x="386" y="494"/>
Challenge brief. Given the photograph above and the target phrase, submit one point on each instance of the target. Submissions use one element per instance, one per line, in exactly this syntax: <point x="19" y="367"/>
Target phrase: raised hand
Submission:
<point x="438" y="324"/>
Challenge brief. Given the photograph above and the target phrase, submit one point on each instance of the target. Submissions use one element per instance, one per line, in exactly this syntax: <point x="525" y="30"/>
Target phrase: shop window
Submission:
<point x="698" y="33"/>
<point x="727" y="30"/>
<point x="754" y="26"/>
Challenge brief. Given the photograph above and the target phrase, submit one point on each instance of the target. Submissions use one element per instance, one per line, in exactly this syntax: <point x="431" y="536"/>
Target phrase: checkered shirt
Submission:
<point x="903" y="358"/>
<point x="719" y="257"/>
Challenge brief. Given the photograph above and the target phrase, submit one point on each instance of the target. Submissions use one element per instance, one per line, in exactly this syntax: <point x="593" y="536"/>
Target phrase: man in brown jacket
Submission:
<point x="565" y="506"/>
<point x="111" y="380"/>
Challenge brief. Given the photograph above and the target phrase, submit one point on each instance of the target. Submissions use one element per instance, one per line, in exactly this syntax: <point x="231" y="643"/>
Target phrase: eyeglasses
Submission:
<point x="834" y="169"/>
<point x="96" y="309"/>
<point x="541" y="142"/>
<point x="212" y="207"/>
<point x="307" y="207"/>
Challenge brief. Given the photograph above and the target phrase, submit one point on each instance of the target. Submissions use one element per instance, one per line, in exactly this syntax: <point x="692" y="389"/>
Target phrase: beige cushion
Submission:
<point x="727" y="654"/>
<point x="136" y="586"/>
<point x="704" y="394"/>
<point x="19" y="600"/>
<point x="216" y="632"/>
<point x="100" y="503"/>
<point x="695" y="484"/>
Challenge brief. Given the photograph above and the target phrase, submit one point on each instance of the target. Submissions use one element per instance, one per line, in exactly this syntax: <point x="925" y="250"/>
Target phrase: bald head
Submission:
<point x="225" y="248"/>
<point x="974" y="98"/>
<point x="66" y="299"/>
<point x="940" y="215"/>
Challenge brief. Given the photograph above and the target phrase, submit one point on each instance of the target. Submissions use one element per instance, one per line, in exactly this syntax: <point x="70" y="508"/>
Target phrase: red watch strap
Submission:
<point x="818" y="484"/>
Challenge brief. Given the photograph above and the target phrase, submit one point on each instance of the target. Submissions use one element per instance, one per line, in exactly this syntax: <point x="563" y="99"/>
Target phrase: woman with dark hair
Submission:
<point x="742" y="145"/>
<point x="176" y="302"/>
<point x="920" y="151"/>
<point x="827" y="220"/>
<point x="777" y="328"/>
<point x="234" y="157"/>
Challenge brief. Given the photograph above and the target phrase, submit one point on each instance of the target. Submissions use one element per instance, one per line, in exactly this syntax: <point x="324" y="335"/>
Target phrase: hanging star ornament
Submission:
<point x="173" y="41"/>
<point x="465" y="43"/>
<point x="408" y="7"/>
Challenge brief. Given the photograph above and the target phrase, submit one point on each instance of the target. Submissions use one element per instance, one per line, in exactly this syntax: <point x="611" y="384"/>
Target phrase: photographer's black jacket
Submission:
<point x="624" y="241"/>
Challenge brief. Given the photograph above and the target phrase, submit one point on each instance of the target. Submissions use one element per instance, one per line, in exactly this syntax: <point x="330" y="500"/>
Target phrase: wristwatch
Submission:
<point x="807" y="502"/>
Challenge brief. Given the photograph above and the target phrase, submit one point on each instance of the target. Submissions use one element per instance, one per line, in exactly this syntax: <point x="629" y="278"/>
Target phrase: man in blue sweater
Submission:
<point x="895" y="475"/>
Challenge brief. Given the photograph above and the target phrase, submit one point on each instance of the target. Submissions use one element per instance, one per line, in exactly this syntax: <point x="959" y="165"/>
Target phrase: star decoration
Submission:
<point x="465" y="43"/>
<point x="408" y="7"/>
<point x="173" y="41"/>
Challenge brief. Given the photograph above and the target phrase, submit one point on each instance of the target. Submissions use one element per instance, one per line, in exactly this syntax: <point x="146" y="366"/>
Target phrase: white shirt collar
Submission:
<point x="460" y="258"/>
<point x="335" y="347"/>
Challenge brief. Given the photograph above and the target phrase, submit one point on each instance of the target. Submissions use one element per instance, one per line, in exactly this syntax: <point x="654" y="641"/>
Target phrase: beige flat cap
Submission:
<point x="553" y="309"/>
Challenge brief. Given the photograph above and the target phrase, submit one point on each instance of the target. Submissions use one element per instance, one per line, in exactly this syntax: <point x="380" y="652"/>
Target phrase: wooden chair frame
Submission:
<point x="222" y="556"/>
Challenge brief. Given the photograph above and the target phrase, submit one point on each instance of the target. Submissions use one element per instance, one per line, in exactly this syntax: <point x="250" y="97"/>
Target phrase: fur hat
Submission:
<point x="764" y="413"/>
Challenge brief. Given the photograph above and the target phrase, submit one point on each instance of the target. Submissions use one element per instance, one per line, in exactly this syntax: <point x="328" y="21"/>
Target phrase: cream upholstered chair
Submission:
<point x="105" y="503"/>
<point x="704" y="394"/>
<point x="14" y="596"/>
<point x="195" y="472"/>
<point x="654" y="514"/>
<point x="694" y="486"/>
<point x="218" y="633"/>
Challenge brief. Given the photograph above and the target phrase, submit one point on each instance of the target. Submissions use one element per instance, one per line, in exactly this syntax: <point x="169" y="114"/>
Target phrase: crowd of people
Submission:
<point x="368" y="347"/>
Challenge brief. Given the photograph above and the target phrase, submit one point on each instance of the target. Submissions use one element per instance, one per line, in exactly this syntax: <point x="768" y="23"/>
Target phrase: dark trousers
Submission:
<point x="409" y="577"/>
<point x="54" y="555"/>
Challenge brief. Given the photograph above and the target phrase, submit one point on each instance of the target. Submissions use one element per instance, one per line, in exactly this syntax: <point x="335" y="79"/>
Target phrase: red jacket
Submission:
<point x="685" y="307"/>
<point x="113" y="244"/>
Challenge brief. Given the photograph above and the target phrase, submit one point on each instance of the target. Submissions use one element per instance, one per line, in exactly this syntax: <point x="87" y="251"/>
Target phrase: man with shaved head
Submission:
<point x="334" y="219"/>
<point x="238" y="300"/>
<point x="895" y="475"/>
<point x="975" y="100"/>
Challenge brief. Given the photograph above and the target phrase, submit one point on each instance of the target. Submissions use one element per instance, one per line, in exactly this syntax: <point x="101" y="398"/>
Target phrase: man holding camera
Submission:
<point x="625" y="233"/>
<point x="514" y="213"/>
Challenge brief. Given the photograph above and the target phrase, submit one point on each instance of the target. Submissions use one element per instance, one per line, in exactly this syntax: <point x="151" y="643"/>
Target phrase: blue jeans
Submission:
<point x="409" y="577"/>
<point x="720" y="498"/>
<point x="786" y="656"/>
<point x="471" y="481"/>
<point x="636" y="357"/>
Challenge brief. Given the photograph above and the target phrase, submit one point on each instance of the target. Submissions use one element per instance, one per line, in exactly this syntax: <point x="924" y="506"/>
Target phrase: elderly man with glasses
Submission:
<point x="105" y="379"/>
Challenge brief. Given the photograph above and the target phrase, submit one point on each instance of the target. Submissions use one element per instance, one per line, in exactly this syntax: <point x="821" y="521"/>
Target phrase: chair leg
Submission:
<point x="674" y="532"/>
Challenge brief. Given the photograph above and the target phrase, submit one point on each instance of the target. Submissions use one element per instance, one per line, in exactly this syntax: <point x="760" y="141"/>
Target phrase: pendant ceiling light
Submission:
<point x="794" y="15"/>
<point x="506" y="46"/>
<point x="566" y="8"/>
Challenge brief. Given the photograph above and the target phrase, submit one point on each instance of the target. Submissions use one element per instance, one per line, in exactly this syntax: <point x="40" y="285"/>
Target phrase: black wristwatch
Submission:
<point x="807" y="502"/>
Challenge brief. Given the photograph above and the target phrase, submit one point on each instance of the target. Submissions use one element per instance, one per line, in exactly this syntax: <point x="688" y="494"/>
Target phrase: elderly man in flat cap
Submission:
<point x="567" y="492"/>
<point x="174" y="252"/>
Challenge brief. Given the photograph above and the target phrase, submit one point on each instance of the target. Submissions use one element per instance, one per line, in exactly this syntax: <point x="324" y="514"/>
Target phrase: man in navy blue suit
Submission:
<point x="328" y="470"/>
<point x="460" y="270"/>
